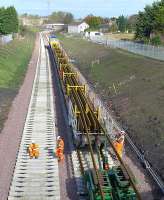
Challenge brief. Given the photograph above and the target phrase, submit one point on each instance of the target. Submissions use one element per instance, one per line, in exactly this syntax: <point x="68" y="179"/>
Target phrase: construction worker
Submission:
<point x="119" y="143"/>
<point x="33" y="150"/>
<point x="60" y="149"/>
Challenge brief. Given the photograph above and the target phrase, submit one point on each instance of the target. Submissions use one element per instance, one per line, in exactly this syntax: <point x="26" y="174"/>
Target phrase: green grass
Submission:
<point x="14" y="58"/>
<point x="138" y="97"/>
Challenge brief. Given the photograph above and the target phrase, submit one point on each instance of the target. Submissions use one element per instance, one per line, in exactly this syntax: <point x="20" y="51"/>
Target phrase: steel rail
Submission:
<point x="85" y="103"/>
<point x="84" y="117"/>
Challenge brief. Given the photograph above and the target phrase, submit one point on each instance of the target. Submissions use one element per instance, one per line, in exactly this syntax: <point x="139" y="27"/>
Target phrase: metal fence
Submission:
<point x="141" y="49"/>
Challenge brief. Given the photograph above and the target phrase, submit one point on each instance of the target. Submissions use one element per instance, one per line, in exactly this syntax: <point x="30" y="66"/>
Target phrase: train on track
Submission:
<point x="102" y="181"/>
<point x="83" y="117"/>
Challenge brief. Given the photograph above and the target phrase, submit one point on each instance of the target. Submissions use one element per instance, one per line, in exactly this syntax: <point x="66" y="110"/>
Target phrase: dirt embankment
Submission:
<point x="132" y="86"/>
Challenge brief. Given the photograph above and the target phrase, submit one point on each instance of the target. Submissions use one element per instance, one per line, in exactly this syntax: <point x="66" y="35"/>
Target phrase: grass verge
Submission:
<point x="14" y="59"/>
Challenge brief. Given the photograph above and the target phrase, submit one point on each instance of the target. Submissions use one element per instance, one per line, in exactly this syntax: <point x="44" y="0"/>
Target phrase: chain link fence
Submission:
<point x="141" y="49"/>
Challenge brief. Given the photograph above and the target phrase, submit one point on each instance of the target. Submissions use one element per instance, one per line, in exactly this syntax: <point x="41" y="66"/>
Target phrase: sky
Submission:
<point x="79" y="8"/>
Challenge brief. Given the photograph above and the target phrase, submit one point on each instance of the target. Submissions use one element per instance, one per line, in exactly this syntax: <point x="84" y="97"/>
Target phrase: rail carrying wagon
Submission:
<point x="105" y="180"/>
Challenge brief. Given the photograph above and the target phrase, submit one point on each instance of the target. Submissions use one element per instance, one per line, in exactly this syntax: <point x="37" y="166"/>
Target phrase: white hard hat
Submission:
<point x="33" y="141"/>
<point x="123" y="132"/>
<point x="58" y="137"/>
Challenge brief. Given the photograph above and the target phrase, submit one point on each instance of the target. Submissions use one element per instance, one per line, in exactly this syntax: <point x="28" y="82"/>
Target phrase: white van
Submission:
<point x="93" y="33"/>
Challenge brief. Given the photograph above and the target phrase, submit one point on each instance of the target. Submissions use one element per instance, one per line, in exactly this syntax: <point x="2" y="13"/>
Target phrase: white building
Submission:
<point x="78" y="27"/>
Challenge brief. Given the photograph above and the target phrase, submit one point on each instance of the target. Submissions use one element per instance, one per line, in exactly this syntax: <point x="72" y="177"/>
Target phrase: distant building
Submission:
<point x="77" y="27"/>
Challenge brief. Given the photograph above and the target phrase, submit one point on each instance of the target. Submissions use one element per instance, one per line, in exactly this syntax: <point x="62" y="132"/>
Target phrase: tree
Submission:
<point x="8" y="20"/>
<point x="159" y="18"/>
<point x="150" y="21"/>
<point x="61" y="17"/>
<point x="68" y="18"/>
<point x="114" y="28"/>
<point x="93" y="21"/>
<point x="2" y="20"/>
<point x="131" y="23"/>
<point x="122" y="23"/>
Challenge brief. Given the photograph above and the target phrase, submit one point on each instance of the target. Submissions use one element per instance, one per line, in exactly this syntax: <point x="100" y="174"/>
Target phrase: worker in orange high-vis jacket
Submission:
<point x="60" y="149"/>
<point x="119" y="143"/>
<point x="33" y="150"/>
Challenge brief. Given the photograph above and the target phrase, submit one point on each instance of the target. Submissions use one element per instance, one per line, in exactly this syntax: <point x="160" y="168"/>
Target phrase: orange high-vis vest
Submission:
<point x="33" y="150"/>
<point x="119" y="147"/>
<point x="59" y="154"/>
<point x="60" y="149"/>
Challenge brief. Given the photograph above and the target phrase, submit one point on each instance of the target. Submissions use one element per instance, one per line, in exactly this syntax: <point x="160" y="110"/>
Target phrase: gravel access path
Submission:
<point x="11" y="134"/>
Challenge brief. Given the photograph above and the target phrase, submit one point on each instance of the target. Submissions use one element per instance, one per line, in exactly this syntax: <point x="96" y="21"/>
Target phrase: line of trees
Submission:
<point x="8" y="20"/>
<point x="122" y="23"/>
<point x="126" y="23"/>
<point x="151" y="21"/>
<point x="61" y="17"/>
<point x="93" y="21"/>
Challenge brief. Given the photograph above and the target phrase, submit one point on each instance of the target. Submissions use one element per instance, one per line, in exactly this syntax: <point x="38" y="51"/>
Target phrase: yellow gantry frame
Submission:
<point x="76" y="87"/>
<point x="97" y="112"/>
<point x="69" y="74"/>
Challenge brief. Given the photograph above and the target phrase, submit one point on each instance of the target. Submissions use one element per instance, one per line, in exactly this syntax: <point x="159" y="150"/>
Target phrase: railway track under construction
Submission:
<point x="94" y="148"/>
<point x="99" y="171"/>
<point x="37" y="179"/>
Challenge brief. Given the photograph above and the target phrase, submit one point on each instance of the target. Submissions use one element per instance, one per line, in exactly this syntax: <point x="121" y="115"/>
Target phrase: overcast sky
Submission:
<point x="79" y="8"/>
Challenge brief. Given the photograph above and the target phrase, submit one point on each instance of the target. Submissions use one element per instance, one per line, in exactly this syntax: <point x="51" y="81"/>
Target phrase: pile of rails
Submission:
<point x="102" y="181"/>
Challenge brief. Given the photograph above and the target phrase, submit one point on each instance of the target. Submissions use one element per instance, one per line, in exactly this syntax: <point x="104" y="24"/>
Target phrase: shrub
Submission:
<point x="156" y="40"/>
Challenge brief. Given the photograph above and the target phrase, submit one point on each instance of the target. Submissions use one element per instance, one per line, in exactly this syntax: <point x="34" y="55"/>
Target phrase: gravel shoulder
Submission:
<point x="10" y="136"/>
<point x="145" y="185"/>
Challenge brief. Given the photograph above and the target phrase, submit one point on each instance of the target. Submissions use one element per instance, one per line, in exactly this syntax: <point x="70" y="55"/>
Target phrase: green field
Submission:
<point x="14" y="59"/>
<point x="135" y="85"/>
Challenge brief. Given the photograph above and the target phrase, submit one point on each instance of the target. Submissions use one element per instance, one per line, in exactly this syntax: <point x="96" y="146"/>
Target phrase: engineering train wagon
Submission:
<point x="83" y="117"/>
<point x="114" y="185"/>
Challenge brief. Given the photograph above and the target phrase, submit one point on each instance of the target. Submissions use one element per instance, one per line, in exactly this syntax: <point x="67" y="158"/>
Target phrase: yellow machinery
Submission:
<point x="54" y="42"/>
